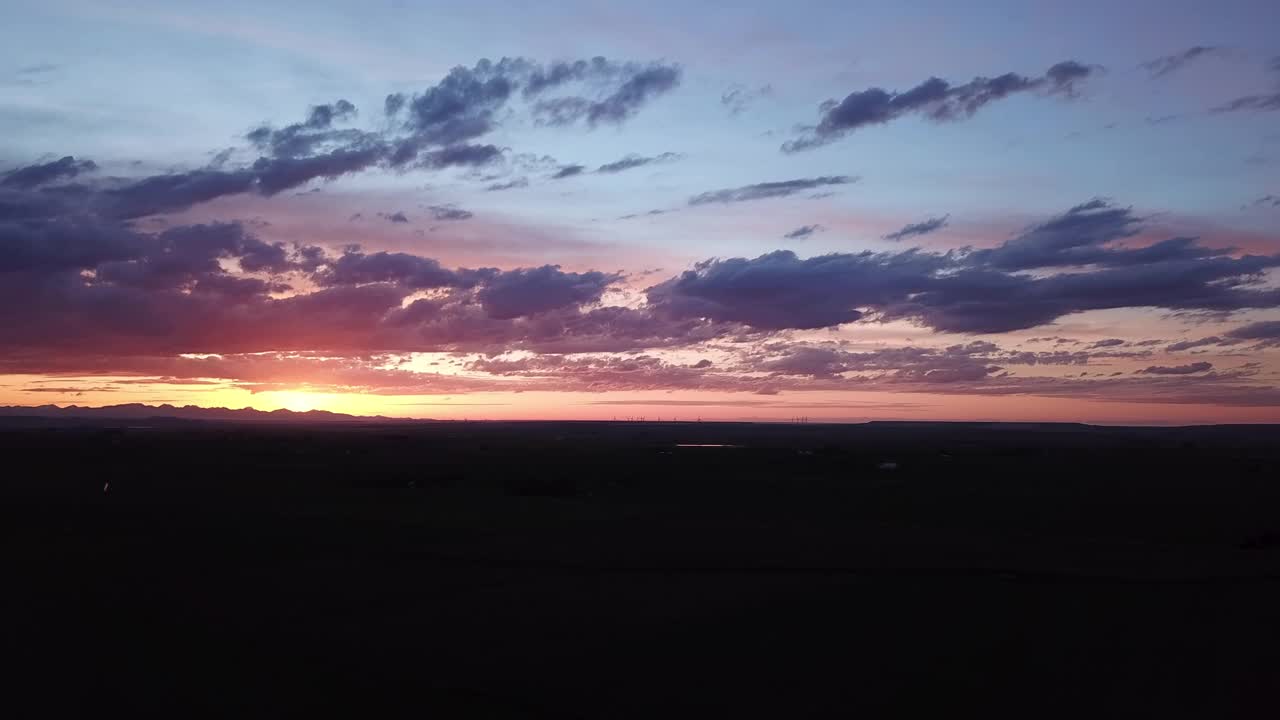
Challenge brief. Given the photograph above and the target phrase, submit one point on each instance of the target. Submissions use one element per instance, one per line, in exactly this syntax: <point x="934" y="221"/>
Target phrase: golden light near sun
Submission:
<point x="297" y="400"/>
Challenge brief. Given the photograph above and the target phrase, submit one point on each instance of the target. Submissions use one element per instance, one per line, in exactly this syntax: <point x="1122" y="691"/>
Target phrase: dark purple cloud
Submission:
<point x="31" y="176"/>
<point x="1083" y="236"/>
<point x="1191" y="344"/>
<point x="523" y="292"/>
<point x="1267" y="331"/>
<point x="78" y="285"/>
<point x="411" y="271"/>
<point x="936" y="99"/>
<point x="398" y="217"/>
<point x="921" y="228"/>
<point x="779" y="290"/>
<point x="984" y="291"/>
<point x="1190" y="369"/>
<point x="275" y="175"/>
<point x="176" y="191"/>
<point x="761" y="191"/>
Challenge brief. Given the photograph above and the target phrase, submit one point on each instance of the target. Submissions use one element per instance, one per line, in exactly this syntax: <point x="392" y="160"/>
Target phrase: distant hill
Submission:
<point x="139" y="412"/>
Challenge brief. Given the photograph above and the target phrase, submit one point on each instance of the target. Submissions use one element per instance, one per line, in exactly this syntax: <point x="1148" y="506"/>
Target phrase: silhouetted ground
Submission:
<point x="597" y="570"/>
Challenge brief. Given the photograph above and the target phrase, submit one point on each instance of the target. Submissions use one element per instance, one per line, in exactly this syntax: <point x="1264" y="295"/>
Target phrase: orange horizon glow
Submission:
<point x="681" y="406"/>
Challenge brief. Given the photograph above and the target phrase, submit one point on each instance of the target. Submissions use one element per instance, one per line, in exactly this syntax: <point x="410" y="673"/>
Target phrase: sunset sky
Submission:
<point x="1014" y="210"/>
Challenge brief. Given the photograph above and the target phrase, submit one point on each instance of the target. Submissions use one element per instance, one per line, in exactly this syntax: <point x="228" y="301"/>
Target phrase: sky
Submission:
<point x="1017" y="211"/>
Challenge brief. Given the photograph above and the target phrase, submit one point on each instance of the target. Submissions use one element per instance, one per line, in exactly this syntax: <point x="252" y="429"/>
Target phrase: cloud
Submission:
<point x="936" y="99"/>
<point x="411" y="271"/>
<point x="737" y="98"/>
<point x="1268" y="331"/>
<point x="1263" y="102"/>
<point x="1083" y="236"/>
<point x="431" y="130"/>
<point x="1190" y="369"/>
<point x="1162" y="66"/>
<point x="639" y="86"/>
<point x="393" y="104"/>
<point x="176" y="191"/>
<point x="520" y="182"/>
<point x="803" y="232"/>
<point x="38" y="69"/>
<point x="398" y="217"/>
<point x="651" y="213"/>
<point x="634" y="161"/>
<point x="1264" y="201"/>
<point x="32" y="176"/>
<point x="568" y="171"/>
<point x="87" y="290"/>
<point x="275" y="175"/>
<point x="761" y="191"/>
<point x="459" y="156"/>
<point x="920" y="228"/>
<point x="1190" y="344"/>
<point x="779" y="290"/>
<point x="449" y="212"/>
<point x="981" y="291"/>
<point x="1259" y="103"/>
<point x="308" y="136"/>
<point x="518" y="293"/>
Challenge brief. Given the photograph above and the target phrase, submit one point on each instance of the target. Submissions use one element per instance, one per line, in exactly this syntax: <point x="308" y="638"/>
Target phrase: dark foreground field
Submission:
<point x="600" y="571"/>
